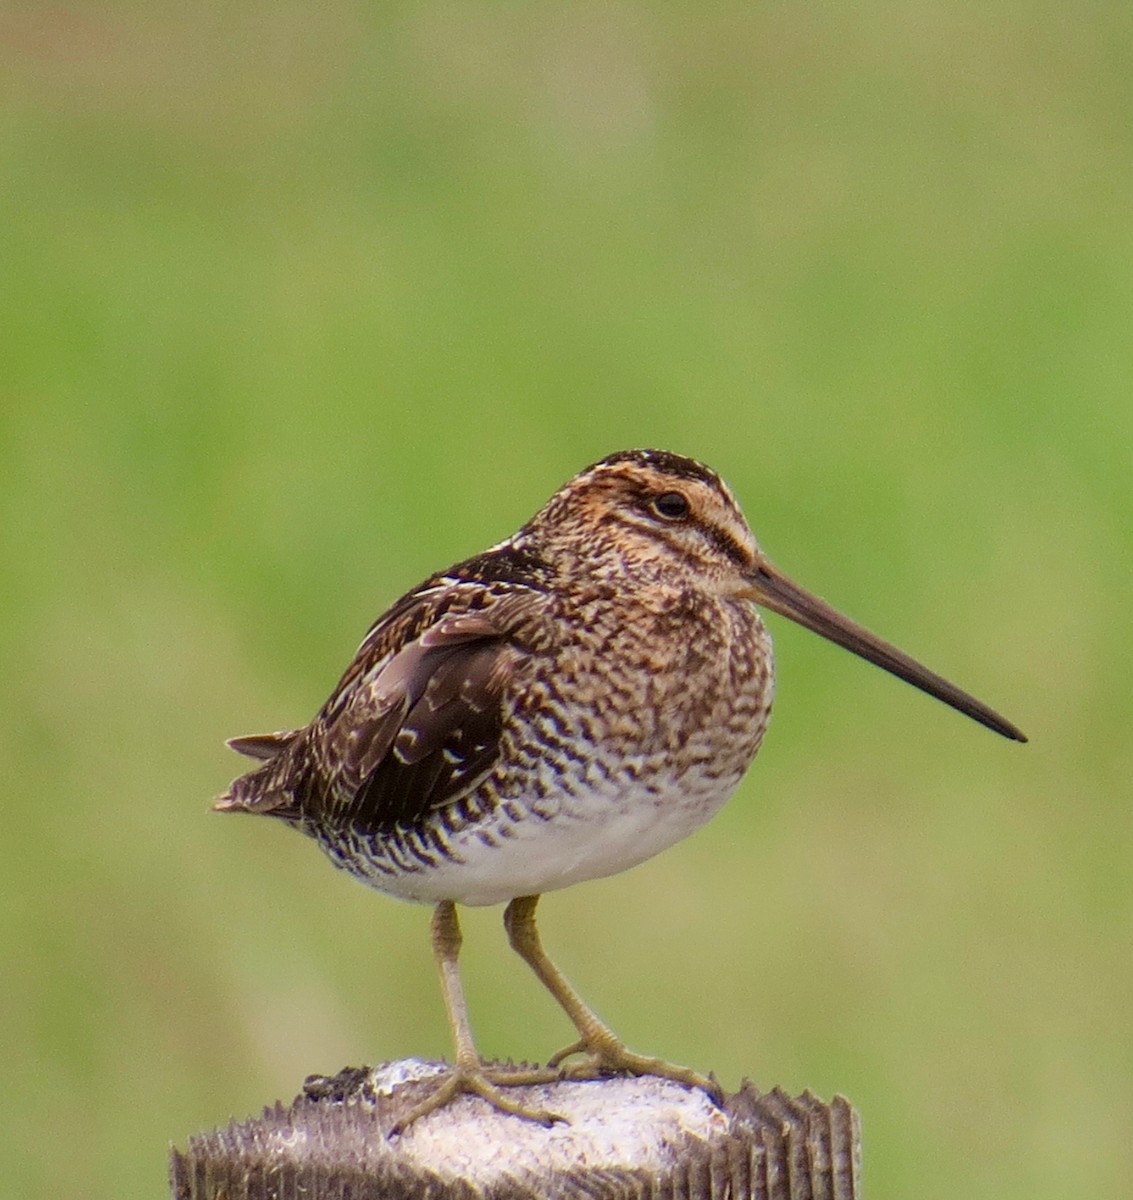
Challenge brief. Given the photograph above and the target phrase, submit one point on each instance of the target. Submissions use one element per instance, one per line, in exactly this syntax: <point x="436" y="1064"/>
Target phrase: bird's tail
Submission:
<point x="258" y="790"/>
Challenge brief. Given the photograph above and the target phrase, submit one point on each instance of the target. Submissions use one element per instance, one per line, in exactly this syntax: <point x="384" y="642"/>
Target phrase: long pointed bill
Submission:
<point x="778" y="593"/>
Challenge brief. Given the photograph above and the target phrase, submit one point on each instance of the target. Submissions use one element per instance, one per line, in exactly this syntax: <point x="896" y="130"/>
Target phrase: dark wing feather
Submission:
<point x="446" y="742"/>
<point x="431" y="722"/>
<point x="415" y="722"/>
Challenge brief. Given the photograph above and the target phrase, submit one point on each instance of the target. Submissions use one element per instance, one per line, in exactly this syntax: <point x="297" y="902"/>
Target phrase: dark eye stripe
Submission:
<point x="728" y="544"/>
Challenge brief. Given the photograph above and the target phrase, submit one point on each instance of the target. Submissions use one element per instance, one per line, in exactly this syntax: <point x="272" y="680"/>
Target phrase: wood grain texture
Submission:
<point x="624" y="1138"/>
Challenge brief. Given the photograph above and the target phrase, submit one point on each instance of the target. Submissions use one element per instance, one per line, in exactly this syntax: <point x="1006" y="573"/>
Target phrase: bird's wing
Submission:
<point x="414" y="724"/>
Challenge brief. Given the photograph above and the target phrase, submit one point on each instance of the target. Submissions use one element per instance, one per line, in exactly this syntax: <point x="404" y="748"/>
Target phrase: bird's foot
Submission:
<point x="566" y="1052"/>
<point x="478" y="1079"/>
<point x="609" y="1056"/>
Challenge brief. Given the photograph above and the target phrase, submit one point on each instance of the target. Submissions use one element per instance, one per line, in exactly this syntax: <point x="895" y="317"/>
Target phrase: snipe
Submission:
<point x="559" y="708"/>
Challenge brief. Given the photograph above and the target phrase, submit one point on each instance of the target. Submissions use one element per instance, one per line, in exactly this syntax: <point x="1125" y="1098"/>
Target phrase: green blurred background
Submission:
<point x="302" y="302"/>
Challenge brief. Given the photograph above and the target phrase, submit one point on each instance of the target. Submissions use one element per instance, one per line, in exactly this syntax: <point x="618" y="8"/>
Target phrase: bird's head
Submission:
<point x="649" y="517"/>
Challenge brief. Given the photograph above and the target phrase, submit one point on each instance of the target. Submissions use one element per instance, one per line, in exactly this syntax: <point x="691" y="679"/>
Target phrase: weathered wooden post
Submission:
<point x="622" y="1137"/>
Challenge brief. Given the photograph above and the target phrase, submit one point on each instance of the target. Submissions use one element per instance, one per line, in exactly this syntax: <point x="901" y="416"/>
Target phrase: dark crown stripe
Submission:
<point x="664" y="461"/>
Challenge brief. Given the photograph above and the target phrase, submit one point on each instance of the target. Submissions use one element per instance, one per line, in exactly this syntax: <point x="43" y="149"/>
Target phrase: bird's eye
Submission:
<point x="671" y="505"/>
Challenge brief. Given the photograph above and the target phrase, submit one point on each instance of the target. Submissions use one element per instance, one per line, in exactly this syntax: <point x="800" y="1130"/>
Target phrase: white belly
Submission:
<point x="498" y="859"/>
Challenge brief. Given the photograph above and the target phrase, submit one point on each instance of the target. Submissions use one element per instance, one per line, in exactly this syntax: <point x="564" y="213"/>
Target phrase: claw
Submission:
<point x="485" y="1082"/>
<point x="610" y="1058"/>
<point x="574" y="1048"/>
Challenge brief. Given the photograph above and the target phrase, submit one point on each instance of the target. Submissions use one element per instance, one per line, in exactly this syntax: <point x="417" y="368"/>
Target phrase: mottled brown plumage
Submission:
<point x="558" y="708"/>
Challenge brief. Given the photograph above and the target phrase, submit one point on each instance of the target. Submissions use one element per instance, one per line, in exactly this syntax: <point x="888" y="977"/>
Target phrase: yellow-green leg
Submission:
<point x="469" y="1074"/>
<point x="605" y="1052"/>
